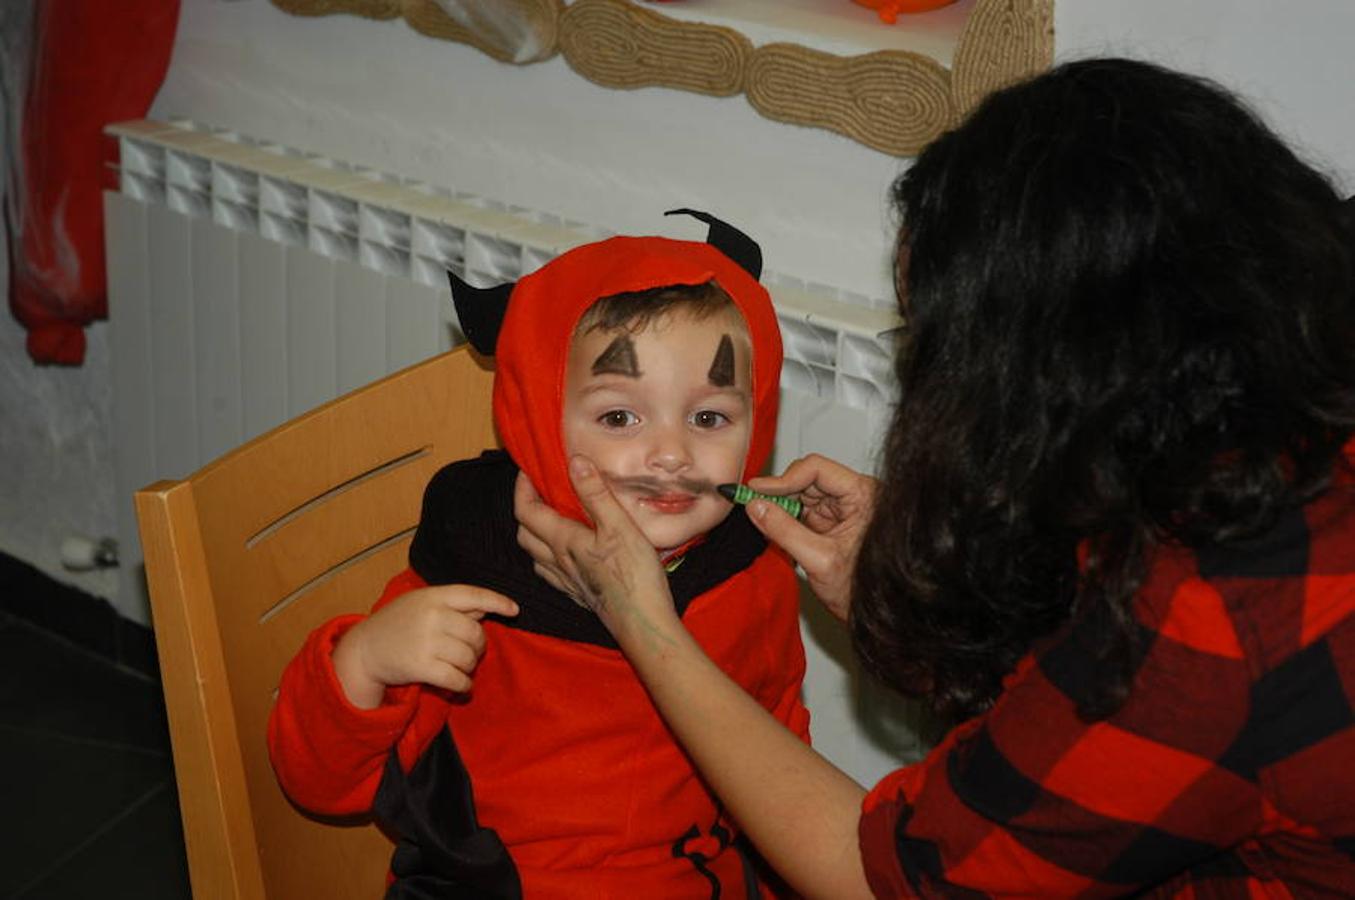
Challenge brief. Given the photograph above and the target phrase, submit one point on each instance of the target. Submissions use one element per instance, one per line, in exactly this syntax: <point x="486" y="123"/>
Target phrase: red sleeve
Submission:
<point x="1029" y="799"/>
<point x="327" y="753"/>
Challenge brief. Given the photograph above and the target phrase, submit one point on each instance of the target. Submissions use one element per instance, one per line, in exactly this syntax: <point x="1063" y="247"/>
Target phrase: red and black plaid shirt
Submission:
<point x="1229" y="772"/>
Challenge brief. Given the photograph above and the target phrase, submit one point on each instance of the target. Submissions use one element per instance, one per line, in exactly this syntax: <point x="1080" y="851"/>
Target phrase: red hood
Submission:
<point x="533" y="345"/>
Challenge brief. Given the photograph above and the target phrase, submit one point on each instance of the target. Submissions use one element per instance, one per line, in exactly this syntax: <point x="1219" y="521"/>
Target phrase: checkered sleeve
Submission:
<point x="1229" y="767"/>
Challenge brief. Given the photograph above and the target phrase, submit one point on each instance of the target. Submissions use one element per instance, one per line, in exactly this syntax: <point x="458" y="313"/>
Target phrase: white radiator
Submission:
<point x="250" y="282"/>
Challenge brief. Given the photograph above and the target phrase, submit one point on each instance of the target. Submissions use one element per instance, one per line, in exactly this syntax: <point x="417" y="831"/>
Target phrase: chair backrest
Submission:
<point x="244" y="558"/>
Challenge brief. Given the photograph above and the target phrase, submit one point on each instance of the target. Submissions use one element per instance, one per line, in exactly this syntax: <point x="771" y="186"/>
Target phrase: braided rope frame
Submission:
<point x="893" y="101"/>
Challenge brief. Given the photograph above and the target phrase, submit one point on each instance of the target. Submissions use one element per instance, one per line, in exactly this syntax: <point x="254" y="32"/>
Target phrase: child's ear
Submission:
<point x="724" y="237"/>
<point x="480" y="311"/>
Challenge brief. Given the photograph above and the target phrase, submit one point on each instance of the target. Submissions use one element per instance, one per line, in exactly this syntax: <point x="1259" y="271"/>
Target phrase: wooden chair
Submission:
<point x="247" y="556"/>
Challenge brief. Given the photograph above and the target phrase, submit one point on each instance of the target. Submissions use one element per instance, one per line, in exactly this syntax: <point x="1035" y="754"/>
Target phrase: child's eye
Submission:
<point x="618" y="418"/>
<point x="709" y="418"/>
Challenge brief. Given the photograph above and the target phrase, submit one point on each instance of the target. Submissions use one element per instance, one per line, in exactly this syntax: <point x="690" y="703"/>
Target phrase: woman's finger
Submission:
<point x="546" y="536"/>
<point x="551" y="531"/>
<point x="524" y="492"/>
<point x="596" y="497"/>
<point x="534" y="547"/>
<point x="532" y="512"/>
<point x="556" y="579"/>
<point x="781" y="528"/>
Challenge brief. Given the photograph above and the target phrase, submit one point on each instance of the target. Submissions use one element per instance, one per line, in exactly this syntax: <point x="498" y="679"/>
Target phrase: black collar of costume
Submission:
<point x="467" y="535"/>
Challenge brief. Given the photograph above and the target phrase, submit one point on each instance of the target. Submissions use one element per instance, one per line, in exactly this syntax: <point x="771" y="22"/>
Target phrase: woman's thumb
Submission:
<point x="781" y="528"/>
<point x="593" y="492"/>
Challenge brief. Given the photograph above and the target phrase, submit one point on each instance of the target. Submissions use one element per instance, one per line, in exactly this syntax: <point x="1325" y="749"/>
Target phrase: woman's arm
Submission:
<point x="800" y="810"/>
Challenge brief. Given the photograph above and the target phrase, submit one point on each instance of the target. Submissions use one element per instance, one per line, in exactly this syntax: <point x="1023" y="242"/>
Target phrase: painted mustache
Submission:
<point x="656" y="487"/>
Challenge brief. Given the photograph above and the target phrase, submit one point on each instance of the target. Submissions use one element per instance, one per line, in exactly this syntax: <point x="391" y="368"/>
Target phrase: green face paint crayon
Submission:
<point x="742" y="493"/>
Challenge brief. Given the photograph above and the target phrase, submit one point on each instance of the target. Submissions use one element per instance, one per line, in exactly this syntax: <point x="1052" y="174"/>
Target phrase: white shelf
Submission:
<point x="840" y="27"/>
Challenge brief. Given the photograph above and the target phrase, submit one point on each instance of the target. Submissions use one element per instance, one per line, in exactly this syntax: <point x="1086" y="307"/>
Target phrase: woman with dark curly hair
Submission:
<point x="1114" y="535"/>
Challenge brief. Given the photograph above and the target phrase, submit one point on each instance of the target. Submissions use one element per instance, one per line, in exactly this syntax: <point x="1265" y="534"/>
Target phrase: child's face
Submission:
<point x="666" y="414"/>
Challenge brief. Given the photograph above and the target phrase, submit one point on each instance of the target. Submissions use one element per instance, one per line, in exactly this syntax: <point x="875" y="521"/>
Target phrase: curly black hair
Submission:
<point x="1130" y="321"/>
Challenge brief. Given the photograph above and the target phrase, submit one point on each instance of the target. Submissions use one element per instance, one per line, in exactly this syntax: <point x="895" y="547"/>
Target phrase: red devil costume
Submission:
<point x="555" y="777"/>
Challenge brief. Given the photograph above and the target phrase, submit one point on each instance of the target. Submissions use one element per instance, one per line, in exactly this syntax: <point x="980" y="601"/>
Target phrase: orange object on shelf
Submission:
<point x="888" y="10"/>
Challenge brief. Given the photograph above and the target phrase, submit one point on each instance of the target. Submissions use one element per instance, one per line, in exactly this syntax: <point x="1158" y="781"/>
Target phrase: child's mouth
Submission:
<point x="669" y="504"/>
<point x="668" y="497"/>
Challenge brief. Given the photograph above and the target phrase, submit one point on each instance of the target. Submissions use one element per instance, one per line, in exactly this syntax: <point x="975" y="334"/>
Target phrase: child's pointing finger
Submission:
<point x="475" y="602"/>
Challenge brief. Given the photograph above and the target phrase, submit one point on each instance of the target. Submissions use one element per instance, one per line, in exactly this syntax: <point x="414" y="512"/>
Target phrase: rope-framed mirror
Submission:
<point x="894" y="101"/>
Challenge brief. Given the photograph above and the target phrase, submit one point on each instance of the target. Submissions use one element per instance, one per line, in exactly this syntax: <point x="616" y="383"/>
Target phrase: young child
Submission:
<point x="553" y="776"/>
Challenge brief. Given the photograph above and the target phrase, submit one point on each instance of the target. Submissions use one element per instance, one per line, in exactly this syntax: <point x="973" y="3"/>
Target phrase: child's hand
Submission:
<point x="431" y="635"/>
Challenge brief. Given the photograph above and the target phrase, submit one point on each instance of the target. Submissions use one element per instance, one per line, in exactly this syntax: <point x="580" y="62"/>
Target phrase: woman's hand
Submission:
<point x="838" y="504"/>
<point x="611" y="569"/>
<point x="431" y="636"/>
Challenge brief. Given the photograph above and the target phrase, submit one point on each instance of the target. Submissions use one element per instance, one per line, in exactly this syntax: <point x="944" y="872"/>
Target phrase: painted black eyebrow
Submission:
<point x="618" y="359"/>
<point x="721" y="373"/>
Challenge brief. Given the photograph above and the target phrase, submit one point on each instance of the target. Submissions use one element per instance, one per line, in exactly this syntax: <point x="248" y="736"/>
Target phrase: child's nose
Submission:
<point x="669" y="452"/>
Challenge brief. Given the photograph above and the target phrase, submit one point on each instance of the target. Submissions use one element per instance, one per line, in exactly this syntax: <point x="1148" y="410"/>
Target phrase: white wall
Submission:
<point x="1293" y="61"/>
<point x="56" y="455"/>
<point x="541" y="136"/>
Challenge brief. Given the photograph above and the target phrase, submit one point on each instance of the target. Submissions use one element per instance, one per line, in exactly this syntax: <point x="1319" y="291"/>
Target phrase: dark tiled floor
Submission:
<point x="86" y="777"/>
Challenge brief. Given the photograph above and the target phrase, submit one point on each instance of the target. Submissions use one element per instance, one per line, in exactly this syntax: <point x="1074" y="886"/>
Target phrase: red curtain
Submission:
<point x="91" y="62"/>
